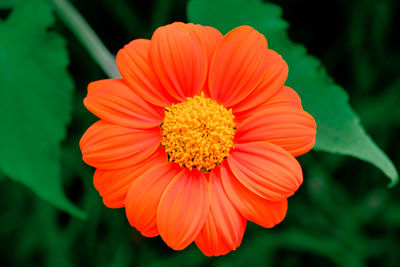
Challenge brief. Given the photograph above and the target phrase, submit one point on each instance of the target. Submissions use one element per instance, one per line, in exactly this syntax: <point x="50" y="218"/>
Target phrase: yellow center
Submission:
<point x="198" y="133"/>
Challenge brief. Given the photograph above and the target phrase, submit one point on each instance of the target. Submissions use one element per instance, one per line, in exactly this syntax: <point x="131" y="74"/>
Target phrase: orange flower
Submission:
<point x="198" y="137"/>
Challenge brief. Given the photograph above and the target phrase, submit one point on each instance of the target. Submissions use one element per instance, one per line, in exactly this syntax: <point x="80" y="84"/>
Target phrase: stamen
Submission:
<point x="198" y="133"/>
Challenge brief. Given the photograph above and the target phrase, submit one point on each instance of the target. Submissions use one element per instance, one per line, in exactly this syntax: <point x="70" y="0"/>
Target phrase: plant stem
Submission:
<point x="85" y="34"/>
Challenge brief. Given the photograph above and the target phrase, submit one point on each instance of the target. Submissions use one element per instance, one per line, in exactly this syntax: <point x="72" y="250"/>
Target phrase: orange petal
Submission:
<point x="285" y="97"/>
<point x="114" y="184"/>
<point x="183" y="209"/>
<point x="288" y="127"/>
<point x="210" y="38"/>
<point x="238" y="65"/>
<point x="179" y="59"/>
<point x="224" y="228"/>
<point x="144" y="197"/>
<point x="113" y="101"/>
<point x="209" y="240"/>
<point x="253" y="207"/>
<point x="271" y="83"/>
<point x="266" y="169"/>
<point x="109" y="146"/>
<point x="134" y="64"/>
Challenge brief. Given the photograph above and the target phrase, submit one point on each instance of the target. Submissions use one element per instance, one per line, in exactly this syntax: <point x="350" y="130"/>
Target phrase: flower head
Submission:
<point x="199" y="136"/>
<point x="198" y="133"/>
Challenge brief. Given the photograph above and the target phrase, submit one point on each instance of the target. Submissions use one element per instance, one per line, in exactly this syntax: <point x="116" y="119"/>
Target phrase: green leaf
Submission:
<point x="35" y="101"/>
<point x="7" y="3"/>
<point x="338" y="127"/>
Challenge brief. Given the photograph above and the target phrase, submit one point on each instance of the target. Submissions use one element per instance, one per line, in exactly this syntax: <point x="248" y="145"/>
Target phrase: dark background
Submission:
<point x="343" y="215"/>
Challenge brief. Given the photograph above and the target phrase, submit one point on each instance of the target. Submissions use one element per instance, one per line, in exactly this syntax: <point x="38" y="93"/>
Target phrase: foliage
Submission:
<point x="35" y="101"/>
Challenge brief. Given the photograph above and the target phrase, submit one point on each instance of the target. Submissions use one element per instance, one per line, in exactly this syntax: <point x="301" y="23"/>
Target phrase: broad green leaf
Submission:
<point x="35" y="101"/>
<point x="338" y="127"/>
<point x="7" y="3"/>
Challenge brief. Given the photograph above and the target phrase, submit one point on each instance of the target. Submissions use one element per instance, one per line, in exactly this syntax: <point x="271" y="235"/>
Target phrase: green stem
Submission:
<point x="87" y="37"/>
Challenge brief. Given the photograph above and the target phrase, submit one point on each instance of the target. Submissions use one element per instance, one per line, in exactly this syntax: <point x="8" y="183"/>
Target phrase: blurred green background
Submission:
<point x="343" y="215"/>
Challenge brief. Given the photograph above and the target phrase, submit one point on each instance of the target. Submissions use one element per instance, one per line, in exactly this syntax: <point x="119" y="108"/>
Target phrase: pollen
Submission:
<point x="198" y="133"/>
